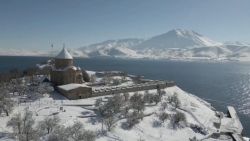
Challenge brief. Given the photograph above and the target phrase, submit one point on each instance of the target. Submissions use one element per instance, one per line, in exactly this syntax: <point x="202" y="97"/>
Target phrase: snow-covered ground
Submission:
<point x="197" y="111"/>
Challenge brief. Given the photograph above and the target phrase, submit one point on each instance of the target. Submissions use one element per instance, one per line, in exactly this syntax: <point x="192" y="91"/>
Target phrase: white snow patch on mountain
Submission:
<point x="113" y="48"/>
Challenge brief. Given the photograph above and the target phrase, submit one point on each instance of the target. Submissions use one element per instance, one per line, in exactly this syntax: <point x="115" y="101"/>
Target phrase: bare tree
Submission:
<point x="49" y="123"/>
<point x="16" y="123"/>
<point x="28" y="132"/>
<point x="109" y="122"/>
<point x="163" y="117"/>
<point x="164" y="105"/>
<point x="133" y="118"/>
<point x="125" y="111"/>
<point x="117" y="102"/>
<point x="98" y="102"/>
<point x="77" y="133"/>
<point x="74" y="130"/>
<point x="24" y="125"/>
<point x="137" y="102"/>
<point x="108" y="110"/>
<point x="59" y="134"/>
<point x="113" y="106"/>
<point x="6" y="103"/>
<point x="174" y="100"/>
<point x="156" y="98"/>
<point x="193" y="139"/>
<point x="178" y="120"/>
<point x="88" y="135"/>
<point x="148" y="98"/>
<point x="18" y="85"/>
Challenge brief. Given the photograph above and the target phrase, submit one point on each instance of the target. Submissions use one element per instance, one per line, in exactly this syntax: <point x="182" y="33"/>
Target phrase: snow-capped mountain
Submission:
<point x="175" y="44"/>
<point x="177" y="38"/>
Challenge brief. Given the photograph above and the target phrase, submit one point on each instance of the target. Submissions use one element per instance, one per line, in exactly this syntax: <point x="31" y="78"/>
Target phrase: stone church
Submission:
<point x="67" y="78"/>
<point x="64" y="72"/>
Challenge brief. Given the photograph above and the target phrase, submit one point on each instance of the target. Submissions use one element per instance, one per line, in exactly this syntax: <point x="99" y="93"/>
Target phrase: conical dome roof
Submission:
<point x="64" y="54"/>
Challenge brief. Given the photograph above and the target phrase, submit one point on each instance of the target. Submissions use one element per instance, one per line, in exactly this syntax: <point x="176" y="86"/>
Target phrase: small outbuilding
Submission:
<point x="75" y="91"/>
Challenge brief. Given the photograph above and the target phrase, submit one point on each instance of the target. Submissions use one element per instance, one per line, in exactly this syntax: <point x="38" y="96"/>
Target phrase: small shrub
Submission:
<point x="163" y="117"/>
<point x="174" y="100"/>
<point x="164" y="105"/>
<point x="178" y="120"/>
<point x="156" y="99"/>
<point x="98" y="102"/>
<point x="193" y="139"/>
<point x="148" y="98"/>
<point x="133" y="119"/>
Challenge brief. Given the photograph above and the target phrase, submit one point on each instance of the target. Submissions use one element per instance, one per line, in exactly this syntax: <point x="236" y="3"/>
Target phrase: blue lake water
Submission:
<point x="221" y="84"/>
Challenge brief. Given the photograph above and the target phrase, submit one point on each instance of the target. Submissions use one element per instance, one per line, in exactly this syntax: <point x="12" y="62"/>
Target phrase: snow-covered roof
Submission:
<point x="64" y="54"/>
<point x="71" y="86"/>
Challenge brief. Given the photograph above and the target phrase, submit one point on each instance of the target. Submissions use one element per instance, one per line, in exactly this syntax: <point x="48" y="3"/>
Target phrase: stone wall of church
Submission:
<point x="63" y="63"/>
<point x="57" y="77"/>
<point x="66" y="77"/>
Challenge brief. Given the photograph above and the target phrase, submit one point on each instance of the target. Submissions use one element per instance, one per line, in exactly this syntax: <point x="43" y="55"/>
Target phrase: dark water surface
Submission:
<point x="221" y="84"/>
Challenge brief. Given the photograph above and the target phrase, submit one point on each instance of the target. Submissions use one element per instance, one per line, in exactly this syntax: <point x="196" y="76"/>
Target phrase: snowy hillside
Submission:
<point x="112" y="44"/>
<point x="114" y="48"/>
<point x="198" y="113"/>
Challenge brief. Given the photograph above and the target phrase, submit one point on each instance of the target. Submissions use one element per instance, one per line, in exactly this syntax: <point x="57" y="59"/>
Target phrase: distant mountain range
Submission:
<point x="177" y="44"/>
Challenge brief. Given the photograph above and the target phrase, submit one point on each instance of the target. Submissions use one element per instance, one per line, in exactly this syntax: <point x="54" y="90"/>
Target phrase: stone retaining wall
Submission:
<point x="132" y="88"/>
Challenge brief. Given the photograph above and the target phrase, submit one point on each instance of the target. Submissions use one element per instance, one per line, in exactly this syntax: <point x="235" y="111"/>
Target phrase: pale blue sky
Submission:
<point x="32" y="24"/>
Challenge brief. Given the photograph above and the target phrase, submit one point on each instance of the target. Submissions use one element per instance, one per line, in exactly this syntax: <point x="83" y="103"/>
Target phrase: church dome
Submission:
<point x="64" y="54"/>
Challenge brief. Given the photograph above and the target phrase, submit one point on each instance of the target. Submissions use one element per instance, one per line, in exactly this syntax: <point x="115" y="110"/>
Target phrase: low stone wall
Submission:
<point x="133" y="88"/>
<point x="77" y="93"/>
